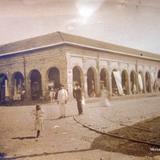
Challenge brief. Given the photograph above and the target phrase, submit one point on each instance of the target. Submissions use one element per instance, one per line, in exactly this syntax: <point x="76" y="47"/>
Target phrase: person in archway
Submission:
<point x="23" y="93"/>
<point x="105" y="97"/>
<point x="156" y="85"/>
<point x="77" y="93"/>
<point x="51" y="95"/>
<point x="62" y="98"/>
<point x="93" y="94"/>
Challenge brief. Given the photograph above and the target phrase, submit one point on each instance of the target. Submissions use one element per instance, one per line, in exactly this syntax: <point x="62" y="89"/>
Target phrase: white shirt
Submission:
<point x="62" y="95"/>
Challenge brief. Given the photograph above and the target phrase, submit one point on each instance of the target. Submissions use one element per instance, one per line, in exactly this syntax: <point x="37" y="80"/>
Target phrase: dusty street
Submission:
<point x="68" y="138"/>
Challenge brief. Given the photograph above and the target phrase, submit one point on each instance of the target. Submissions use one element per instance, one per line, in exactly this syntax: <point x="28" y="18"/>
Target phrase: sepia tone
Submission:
<point x="61" y="58"/>
<point x="79" y="80"/>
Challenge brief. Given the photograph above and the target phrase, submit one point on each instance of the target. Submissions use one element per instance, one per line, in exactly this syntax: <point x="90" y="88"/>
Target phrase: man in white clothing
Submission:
<point x="62" y="100"/>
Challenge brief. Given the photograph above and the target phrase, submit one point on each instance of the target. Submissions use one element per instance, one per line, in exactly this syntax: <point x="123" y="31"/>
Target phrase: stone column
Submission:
<point x="136" y="82"/>
<point x="85" y="84"/>
<point x="97" y="85"/>
<point x="110" y="83"/>
<point x="70" y="82"/>
<point x="144" y="83"/>
<point x="9" y="85"/>
<point x="129" y="84"/>
<point x="28" y="88"/>
<point x="44" y="83"/>
<point x="152" y="86"/>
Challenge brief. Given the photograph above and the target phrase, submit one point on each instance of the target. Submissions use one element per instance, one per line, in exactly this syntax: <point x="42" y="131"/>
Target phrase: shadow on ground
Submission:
<point x="46" y="154"/>
<point x="147" y="131"/>
<point x="22" y="138"/>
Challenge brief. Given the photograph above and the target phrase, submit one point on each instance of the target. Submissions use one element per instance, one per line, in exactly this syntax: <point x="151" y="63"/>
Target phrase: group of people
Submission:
<point x="62" y="99"/>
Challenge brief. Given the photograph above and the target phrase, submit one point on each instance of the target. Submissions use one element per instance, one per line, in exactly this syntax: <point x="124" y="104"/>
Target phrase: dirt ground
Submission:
<point x="65" y="139"/>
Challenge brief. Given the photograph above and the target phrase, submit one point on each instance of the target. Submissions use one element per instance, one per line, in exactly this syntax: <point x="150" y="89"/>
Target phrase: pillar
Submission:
<point x="144" y="83"/>
<point x="70" y="82"/>
<point x="110" y="83"/>
<point x="44" y="84"/>
<point x="97" y="85"/>
<point x="8" y="86"/>
<point x="28" y="88"/>
<point x="129" y="84"/>
<point x="85" y="84"/>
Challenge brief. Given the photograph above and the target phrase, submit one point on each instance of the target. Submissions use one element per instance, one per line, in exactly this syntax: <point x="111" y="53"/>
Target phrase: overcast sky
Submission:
<point x="132" y="23"/>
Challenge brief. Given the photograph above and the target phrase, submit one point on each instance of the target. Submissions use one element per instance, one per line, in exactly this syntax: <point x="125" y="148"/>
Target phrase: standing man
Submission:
<point x="77" y="93"/>
<point x="62" y="98"/>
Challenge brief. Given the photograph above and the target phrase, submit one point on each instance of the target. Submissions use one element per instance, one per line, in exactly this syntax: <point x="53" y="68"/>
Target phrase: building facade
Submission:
<point x="38" y="64"/>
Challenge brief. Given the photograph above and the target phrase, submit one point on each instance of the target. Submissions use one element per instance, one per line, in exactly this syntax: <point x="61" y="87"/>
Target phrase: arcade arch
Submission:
<point x="104" y="79"/>
<point x="148" y="82"/>
<point x="91" y="82"/>
<point x="133" y="80"/>
<point x="125" y="83"/>
<point x="54" y="78"/>
<point x="17" y="85"/>
<point x="114" y="85"/>
<point x="140" y="82"/>
<point x="4" y="87"/>
<point x="78" y="76"/>
<point x="35" y="84"/>
<point x="158" y="75"/>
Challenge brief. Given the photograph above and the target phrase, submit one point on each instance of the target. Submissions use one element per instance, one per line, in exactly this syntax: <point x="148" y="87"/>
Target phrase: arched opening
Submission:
<point x="54" y="78"/>
<point x="91" y="82"/>
<point x="133" y="82"/>
<point x="77" y="76"/>
<point x="148" y="82"/>
<point x="117" y="83"/>
<point x="36" y="84"/>
<point x="18" y="85"/>
<point x="125" y="82"/>
<point x="158" y="82"/>
<point x="158" y="76"/>
<point x="140" y="82"/>
<point x="4" y="88"/>
<point x="104" y="79"/>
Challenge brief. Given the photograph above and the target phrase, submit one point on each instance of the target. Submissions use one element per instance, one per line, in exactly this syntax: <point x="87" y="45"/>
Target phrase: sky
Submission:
<point x="131" y="23"/>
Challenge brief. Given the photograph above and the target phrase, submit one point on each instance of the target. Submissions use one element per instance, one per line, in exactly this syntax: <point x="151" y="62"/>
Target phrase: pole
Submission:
<point x="24" y="65"/>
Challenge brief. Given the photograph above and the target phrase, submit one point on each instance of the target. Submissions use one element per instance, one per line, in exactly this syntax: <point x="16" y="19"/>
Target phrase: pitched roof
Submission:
<point x="60" y="38"/>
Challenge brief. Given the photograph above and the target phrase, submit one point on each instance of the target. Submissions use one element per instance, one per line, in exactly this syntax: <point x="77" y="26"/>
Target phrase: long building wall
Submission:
<point x="66" y="57"/>
<point x="41" y="60"/>
<point x="85" y="59"/>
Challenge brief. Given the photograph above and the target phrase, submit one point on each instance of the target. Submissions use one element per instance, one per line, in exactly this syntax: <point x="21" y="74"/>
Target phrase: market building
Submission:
<point x="36" y="65"/>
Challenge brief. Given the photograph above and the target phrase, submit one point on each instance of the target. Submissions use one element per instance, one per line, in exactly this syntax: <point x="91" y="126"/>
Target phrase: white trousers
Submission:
<point x="62" y="109"/>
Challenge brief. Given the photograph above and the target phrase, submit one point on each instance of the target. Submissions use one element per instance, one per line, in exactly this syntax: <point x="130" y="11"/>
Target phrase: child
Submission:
<point x="38" y="120"/>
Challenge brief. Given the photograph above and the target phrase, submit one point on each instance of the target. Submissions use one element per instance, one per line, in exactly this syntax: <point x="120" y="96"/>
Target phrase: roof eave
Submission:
<point x="80" y="45"/>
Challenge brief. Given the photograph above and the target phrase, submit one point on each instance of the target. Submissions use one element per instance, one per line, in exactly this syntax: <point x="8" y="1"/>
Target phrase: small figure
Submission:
<point x="156" y="85"/>
<point x="52" y="95"/>
<point x="39" y="117"/>
<point x="77" y="93"/>
<point x="134" y="88"/>
<point x="93" y="94"/>
<point x="105" y="97"/>
<point x="62" y="98"/>
<point x="23" y="92"/>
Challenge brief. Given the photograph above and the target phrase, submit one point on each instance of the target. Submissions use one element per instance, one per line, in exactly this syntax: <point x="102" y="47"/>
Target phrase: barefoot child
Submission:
<point x="39" y="116"/>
